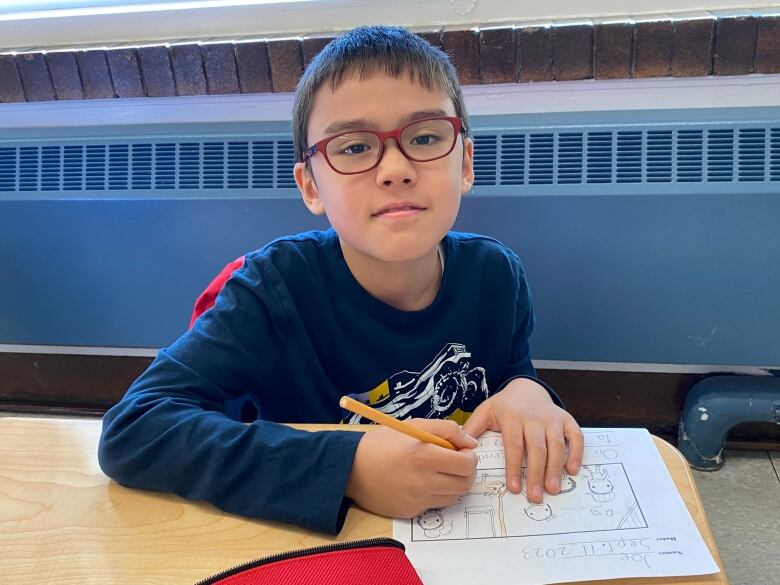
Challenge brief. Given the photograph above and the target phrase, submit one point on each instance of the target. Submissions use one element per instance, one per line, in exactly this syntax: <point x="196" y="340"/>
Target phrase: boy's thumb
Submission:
<point x="477" y="423"/>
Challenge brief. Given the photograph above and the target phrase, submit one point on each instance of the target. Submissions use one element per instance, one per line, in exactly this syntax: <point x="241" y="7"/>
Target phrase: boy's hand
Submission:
<point x="531" y="425"/>
<point x="396" y="475"/>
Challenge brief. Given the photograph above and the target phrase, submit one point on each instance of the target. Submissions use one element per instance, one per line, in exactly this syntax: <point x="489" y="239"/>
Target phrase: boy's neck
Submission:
<point x="407" y="286"/>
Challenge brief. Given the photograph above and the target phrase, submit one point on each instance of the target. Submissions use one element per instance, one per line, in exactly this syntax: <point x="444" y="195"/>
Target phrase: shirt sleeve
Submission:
<point x="170" y="433"/>
<point x="520" y="365"/>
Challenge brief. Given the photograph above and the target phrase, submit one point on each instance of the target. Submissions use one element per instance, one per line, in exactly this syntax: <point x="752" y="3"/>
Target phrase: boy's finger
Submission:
<point x="536" y="453"/>
<point x="444" y="484"/>
<point x="446" y="429"/>
<point x="576" y="441"/>
<point x="442" y="501"/>
<point x="454" y="463"/>
<point x="556" y="453"/>
<point x="514" y="451"/>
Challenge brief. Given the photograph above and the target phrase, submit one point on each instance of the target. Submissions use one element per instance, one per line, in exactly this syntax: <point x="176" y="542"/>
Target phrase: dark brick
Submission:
<point x="220" y="64"/>
<point x="497" y="55"/>
<point x="735" y="42"/>
<point x="188" y="70"/>
<point x="35" y="77"/>
<point x="93" y="68"/>
<point x="768" y="45"/>
<point x="462" y="48"/>
<point x="125" y="72"/>
<point x="11" y="89"/>
<point x="156" y="71"/>
<point x="534" y="48"/>
<point x="312" y="46"/>
<point x="692" y="55"/>
<point x="433" y="37"/>
<point x="612" y="50"/>
<point x="65" y="76"/>
<point x="254" y="75"/>
<point x="653" y="48"/>
<point x="286" y="64"/>
<point x="572" y="52"/>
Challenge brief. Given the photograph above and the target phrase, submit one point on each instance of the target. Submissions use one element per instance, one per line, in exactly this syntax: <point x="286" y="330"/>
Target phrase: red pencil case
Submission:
<point x="376" y="561"/>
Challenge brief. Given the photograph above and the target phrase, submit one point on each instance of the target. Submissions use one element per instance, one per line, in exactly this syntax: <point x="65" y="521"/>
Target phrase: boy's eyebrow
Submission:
<point x="362" y="124"/>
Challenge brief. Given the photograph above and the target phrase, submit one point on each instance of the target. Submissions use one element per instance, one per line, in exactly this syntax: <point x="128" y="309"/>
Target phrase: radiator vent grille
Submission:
<point x="509" y="158"/>
<point x="735" y="155"/>
<point x="146" y="166"/>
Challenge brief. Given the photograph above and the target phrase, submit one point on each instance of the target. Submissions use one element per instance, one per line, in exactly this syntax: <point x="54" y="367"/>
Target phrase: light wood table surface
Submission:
<point x="63" y="522"/>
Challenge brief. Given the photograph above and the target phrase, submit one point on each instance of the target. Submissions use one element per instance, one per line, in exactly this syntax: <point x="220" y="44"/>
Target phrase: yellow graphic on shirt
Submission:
<point x="447" y="388"/>
<point x="378" y="394"/>
<point x="459" y="416"/>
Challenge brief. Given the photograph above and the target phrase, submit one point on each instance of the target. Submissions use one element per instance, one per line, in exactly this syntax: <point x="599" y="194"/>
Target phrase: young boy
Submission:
<point x="388" y="306"/>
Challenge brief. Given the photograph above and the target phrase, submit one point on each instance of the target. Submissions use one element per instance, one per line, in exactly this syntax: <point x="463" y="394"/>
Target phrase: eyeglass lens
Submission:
<point x="422" y="141"/>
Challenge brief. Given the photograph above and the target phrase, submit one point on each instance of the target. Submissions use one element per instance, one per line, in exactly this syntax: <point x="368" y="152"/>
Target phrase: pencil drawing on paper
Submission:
<point x="598" y="498"/>
<point x="619" y="516"/>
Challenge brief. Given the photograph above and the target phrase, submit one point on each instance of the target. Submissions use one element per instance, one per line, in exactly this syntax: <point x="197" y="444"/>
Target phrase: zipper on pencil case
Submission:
<point x="294" y="554"/>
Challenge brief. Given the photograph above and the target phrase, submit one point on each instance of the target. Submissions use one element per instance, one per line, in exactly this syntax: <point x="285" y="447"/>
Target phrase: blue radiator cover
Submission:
<point x="647" y="236"/>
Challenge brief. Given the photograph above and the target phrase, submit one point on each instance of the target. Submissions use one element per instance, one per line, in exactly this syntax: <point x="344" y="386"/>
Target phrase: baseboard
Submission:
<point x="61" y="384"/>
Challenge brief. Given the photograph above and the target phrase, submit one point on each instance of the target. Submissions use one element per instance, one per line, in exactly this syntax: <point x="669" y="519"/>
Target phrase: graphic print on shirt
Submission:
<point x="448" y="387"/>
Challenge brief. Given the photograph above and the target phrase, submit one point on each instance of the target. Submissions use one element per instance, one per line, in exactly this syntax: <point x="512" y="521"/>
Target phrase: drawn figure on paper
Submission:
<point x="447" y="387"/>
<point x="632" y="518"/>
<point x="596" y="511"/>
<point x="433" y="524"/>
<point x="567" y="483"/>
<point x="538" y="512"/>
<point x="480" y="522"/>
<point x="601" y="488"/>
<point x="598" y="498"/>
<point x="490" y="486"/>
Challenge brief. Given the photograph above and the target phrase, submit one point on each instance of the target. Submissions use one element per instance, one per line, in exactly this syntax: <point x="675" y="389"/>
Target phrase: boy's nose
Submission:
<point x="394" y="167"/>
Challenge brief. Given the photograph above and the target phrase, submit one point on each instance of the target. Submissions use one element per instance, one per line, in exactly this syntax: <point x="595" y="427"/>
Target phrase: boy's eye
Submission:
<point x="354" y="149"/>
<point x="428" y="139"/>
<point x="352" y="145"/>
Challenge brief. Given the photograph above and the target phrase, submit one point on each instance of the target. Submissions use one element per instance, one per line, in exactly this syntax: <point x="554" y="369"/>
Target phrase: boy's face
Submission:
<point x="401" y="209"/>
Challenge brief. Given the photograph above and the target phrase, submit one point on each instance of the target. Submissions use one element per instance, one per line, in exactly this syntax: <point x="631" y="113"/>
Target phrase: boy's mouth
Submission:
<point x="400" y="209"/>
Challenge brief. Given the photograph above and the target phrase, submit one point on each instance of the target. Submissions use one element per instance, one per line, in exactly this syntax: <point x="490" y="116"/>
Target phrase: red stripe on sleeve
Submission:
<point x="208" y="297"/>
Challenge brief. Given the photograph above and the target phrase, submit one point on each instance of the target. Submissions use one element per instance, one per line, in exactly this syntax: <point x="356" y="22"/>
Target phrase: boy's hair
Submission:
<point x="365" y="51"/>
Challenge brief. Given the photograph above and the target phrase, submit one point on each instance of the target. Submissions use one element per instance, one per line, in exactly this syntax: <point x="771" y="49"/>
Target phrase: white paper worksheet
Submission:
<point x="620" y="516"/>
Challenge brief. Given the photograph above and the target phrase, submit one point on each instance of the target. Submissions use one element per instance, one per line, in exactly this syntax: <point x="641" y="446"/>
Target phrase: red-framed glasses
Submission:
<point x="358" y="151"/>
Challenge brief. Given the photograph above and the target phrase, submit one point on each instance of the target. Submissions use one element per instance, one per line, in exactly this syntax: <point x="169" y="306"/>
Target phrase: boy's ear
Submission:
<point x="467" y="170"/>
<point x="308" y="188"/>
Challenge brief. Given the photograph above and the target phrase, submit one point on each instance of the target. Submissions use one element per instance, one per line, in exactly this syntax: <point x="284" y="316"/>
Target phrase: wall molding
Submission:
<point x="755" y="90"/>
<point x="57" y="384"/>
<point x="569" y="365"/>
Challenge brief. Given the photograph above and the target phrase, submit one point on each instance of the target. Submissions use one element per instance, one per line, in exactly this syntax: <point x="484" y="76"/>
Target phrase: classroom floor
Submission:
<point x="742" y="501"/>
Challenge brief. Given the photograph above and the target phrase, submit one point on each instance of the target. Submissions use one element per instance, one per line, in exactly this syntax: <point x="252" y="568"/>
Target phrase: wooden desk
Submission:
<point x="63" y="522"/>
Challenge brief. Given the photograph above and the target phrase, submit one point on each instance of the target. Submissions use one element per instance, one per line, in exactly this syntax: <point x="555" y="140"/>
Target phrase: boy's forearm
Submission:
<point x="262" y="470"/>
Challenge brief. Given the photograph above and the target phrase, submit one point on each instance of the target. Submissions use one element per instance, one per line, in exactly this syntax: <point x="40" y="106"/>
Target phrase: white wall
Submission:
<point x="243" y="19"/>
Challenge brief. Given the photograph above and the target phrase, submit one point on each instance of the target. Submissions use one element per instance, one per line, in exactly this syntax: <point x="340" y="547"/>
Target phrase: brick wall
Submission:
<point x="678" y="48"/>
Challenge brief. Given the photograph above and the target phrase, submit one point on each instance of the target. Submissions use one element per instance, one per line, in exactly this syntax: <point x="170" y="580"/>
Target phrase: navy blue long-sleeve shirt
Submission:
<point x="293" y="329"/>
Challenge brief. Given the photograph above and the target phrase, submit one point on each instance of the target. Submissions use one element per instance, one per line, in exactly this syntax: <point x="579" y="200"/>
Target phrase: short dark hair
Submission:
<point x="364" y="51"/>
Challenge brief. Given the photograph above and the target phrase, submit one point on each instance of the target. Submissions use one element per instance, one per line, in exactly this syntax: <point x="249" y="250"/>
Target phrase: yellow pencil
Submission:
<point x="383" y="419"/>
